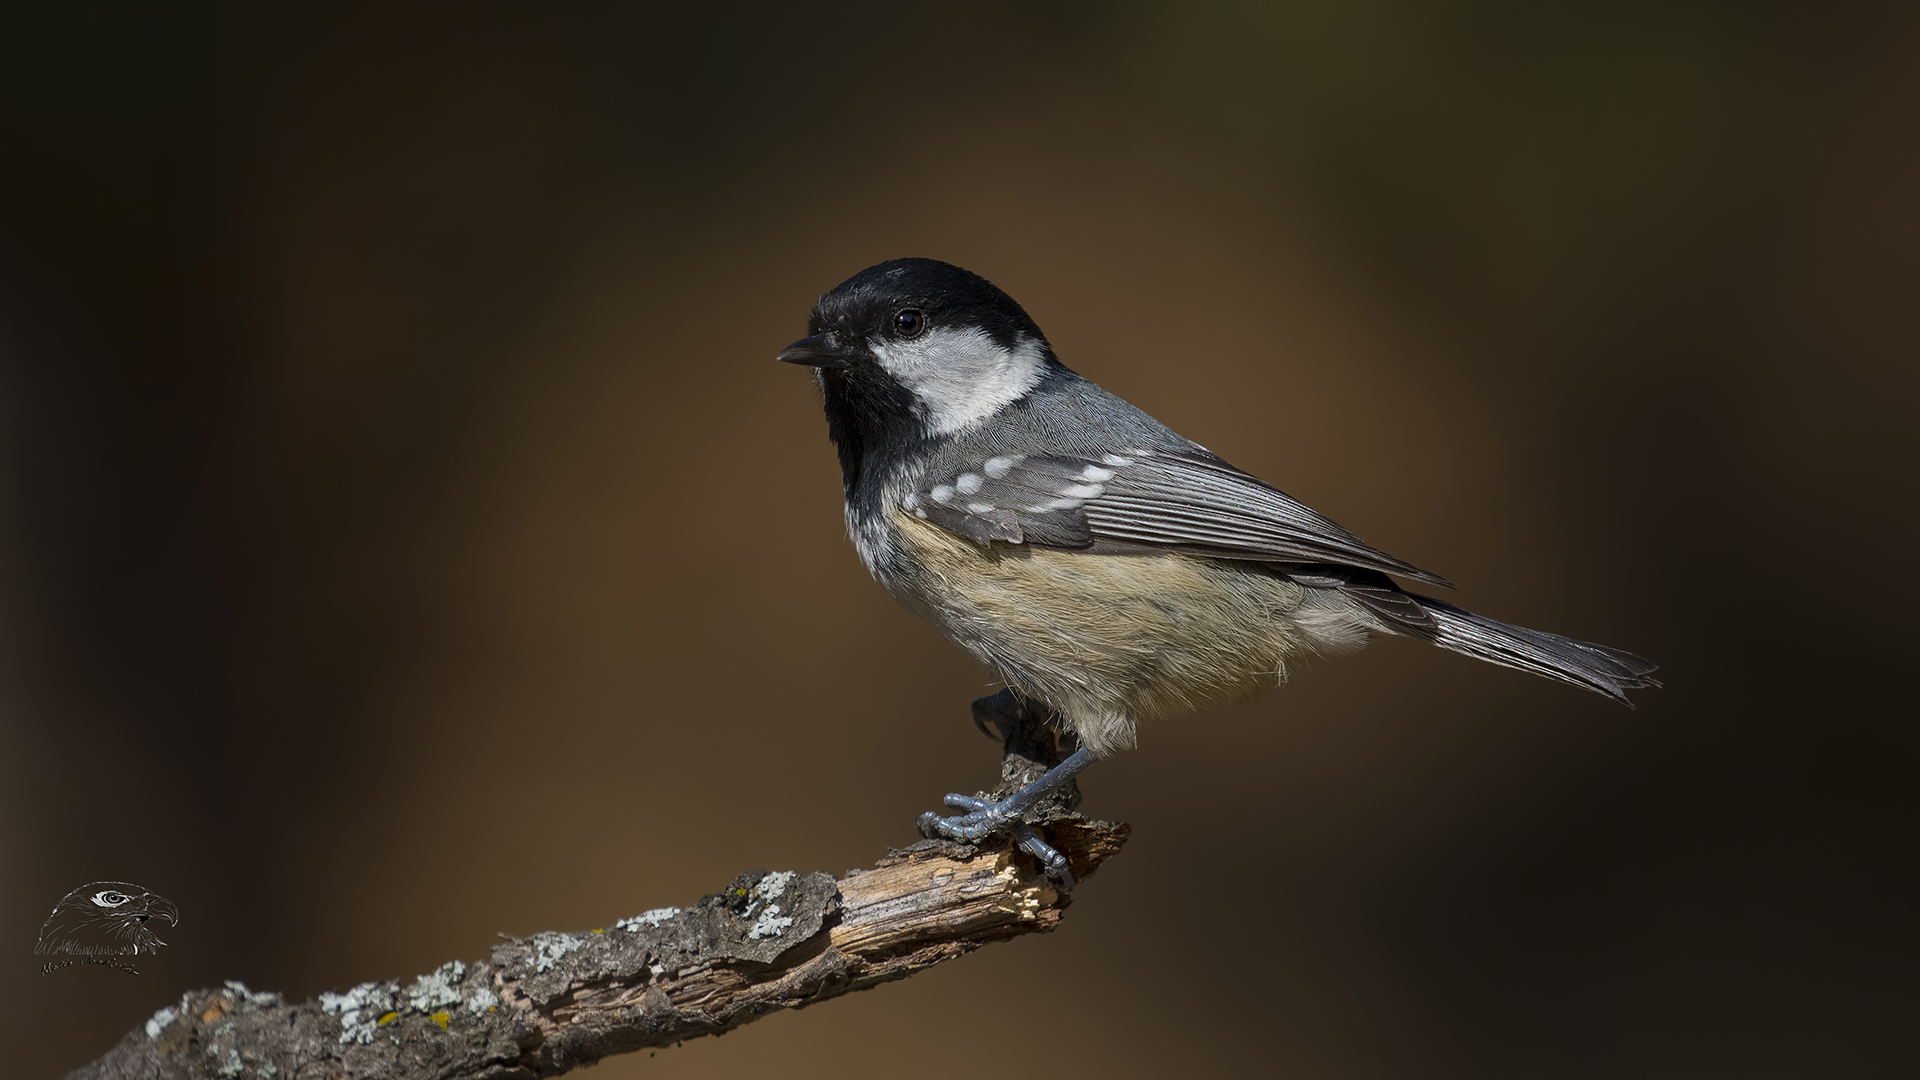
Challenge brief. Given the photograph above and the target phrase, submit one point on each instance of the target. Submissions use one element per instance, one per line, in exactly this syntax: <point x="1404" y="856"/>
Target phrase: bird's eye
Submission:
<point x="110" y="899"/>
<point x="909" y="323"/>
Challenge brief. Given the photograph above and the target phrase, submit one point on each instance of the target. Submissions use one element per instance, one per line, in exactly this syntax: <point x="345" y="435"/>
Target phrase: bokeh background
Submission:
<point x="407" y="535"/>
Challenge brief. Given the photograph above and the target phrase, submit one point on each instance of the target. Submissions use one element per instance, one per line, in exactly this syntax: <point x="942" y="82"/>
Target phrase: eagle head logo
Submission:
<point x="106" y="918"/>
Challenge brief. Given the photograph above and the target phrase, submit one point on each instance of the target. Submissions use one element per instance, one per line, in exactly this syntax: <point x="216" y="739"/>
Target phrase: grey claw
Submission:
<point x="968" y="827"/>
<point x="966" y="802"/>
<point x="1052" y="863"/>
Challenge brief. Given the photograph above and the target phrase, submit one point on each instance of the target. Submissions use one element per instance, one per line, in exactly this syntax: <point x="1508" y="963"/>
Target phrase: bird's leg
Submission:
<point x="1029" y="739"/>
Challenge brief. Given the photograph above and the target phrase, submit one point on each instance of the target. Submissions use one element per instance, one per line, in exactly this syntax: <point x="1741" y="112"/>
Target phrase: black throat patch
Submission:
<point x="872" y="422"/>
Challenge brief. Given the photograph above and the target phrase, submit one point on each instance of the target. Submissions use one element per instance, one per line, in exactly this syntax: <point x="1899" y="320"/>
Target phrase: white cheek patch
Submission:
<point x="960" y="377"/>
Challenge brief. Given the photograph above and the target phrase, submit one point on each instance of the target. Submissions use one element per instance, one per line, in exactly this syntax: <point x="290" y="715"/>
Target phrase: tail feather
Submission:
<point x="1607" y="671"/>
<point x="1595" y="667"/>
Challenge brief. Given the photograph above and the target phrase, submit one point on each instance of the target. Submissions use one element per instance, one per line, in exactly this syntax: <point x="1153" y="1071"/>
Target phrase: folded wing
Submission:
<point x="1142" y="501"/>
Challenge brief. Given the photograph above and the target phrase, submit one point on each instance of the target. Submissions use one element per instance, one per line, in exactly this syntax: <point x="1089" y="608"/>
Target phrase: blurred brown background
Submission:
<point x="408" y="536"/>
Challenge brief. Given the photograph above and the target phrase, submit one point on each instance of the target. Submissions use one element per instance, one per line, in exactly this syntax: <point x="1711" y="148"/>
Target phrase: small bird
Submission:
<point x="1100" y="564"/>
<point x="105" y="918"/>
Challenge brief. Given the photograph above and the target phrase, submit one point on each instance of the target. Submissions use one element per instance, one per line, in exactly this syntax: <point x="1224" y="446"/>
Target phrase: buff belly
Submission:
<point x="1111" y="640"/>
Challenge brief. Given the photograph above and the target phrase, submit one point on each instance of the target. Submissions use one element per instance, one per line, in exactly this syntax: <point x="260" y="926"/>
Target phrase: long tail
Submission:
<point x="1607" y="671"/>
<point x="1581" y="663"/>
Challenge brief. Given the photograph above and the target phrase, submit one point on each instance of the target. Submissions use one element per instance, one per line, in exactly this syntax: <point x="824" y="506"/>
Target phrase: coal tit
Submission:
<point x="1102" y="565"/>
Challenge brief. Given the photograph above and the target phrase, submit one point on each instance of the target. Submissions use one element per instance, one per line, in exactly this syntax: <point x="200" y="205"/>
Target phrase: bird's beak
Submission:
<point x="818" y="351"/>
<point x="160" y="905"/>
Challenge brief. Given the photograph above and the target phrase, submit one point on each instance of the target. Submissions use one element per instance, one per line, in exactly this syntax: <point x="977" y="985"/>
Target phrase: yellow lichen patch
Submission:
<point x="387" y="1019"/>
<point x="440" y="1018"/>
<point x="599" y="929"/>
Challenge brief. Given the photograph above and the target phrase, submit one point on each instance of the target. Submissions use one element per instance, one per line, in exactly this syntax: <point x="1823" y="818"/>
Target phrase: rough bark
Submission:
<point x="542" y="1005"/>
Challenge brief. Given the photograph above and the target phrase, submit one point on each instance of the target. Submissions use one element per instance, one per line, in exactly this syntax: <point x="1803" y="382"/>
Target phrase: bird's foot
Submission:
<point x="983" y="818"/>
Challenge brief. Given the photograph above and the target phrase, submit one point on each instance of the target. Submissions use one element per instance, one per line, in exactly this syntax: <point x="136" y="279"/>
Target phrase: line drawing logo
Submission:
<point x="104" y="919"/>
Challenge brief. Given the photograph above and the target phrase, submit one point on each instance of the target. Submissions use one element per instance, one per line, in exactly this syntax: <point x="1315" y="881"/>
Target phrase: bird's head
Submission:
<point x="106" y="918"/>
<point x="920" y="344"/>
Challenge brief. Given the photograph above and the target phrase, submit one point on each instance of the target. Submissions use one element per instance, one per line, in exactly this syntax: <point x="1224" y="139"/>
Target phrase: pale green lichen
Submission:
<point x="165" y="1017"/>
<point x="257" y="1000"/>
<point x="437" y="987"/>
<point x="482" y="1000"/>
<point x="549" y="948"/>
<point x="647" y="918"/>
<point x="774" y="884"/>
<point x="162" y="1020"/>
<point x="232" y="1067"/>
<point x="771" y="923"/>
<point x="357" y="1008"/>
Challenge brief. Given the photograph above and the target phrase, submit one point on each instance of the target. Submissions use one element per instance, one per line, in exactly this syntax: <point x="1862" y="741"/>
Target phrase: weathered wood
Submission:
<point x="542" y="1005"/>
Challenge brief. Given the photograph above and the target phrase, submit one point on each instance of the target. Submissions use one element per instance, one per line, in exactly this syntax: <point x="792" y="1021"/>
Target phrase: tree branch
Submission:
<point x="542" y="1005"/>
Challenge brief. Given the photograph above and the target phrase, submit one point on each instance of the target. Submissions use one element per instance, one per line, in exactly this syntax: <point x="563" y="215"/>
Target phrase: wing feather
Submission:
<point x="1142" y="500"/>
